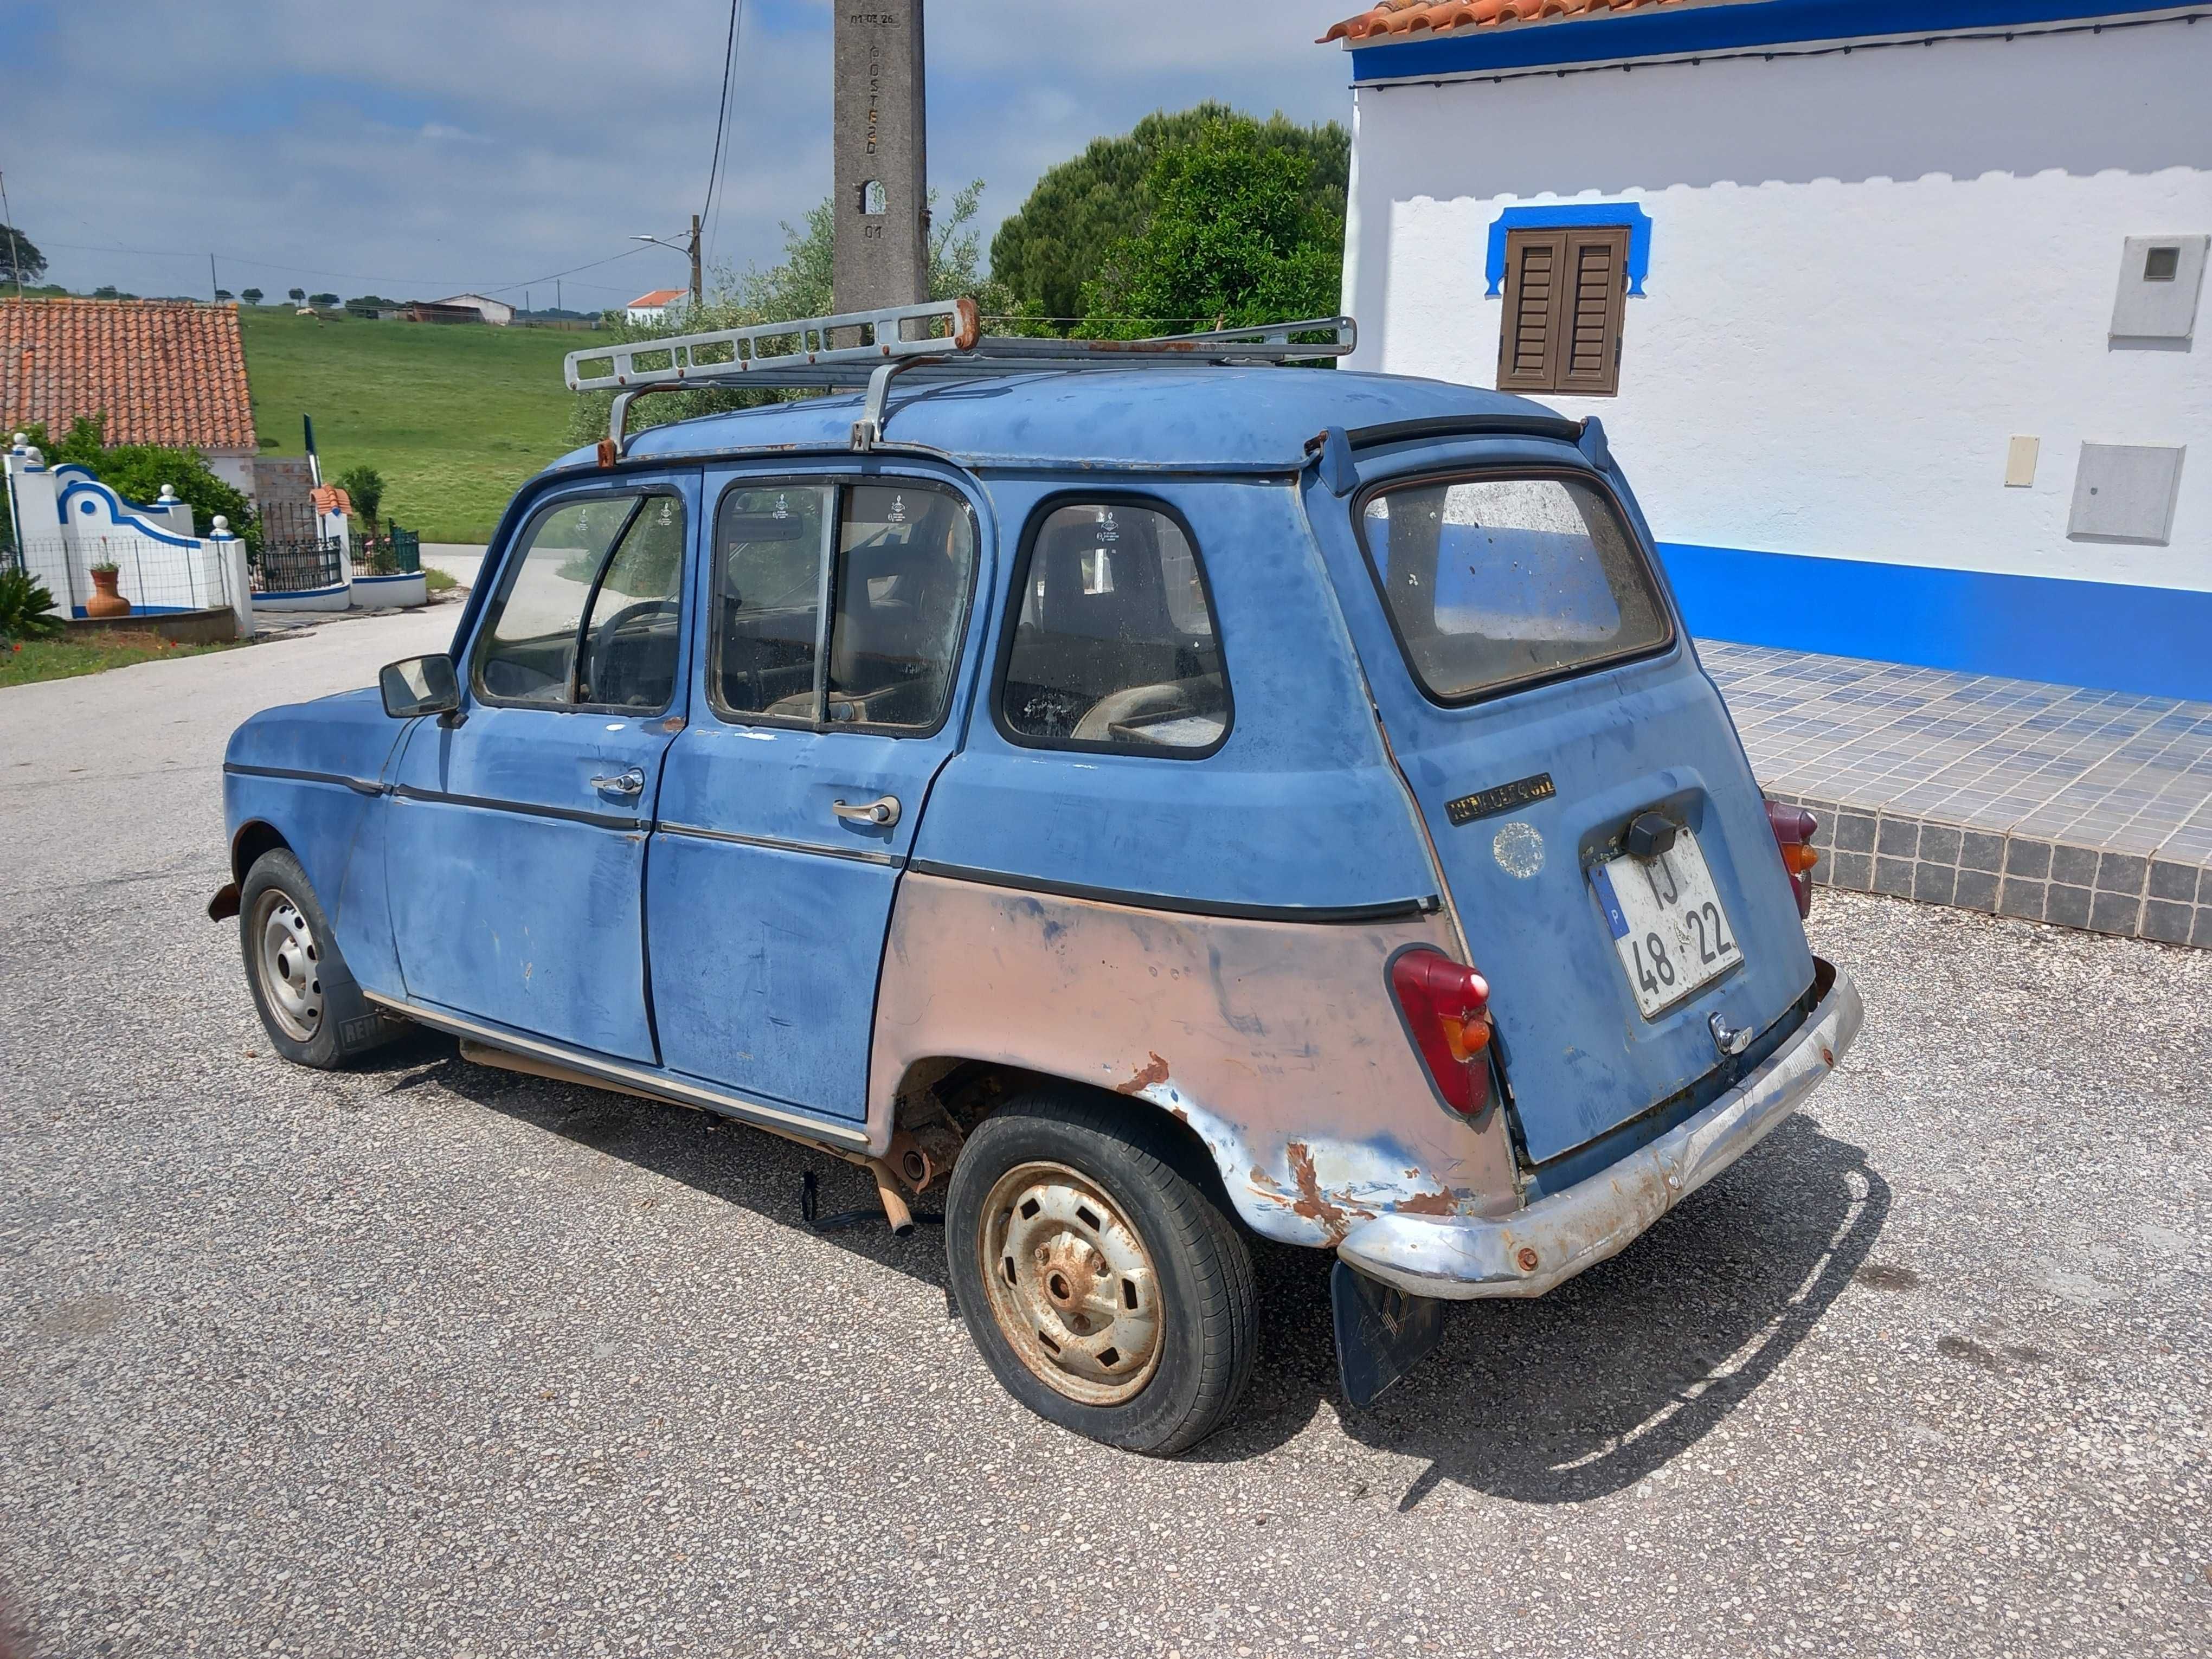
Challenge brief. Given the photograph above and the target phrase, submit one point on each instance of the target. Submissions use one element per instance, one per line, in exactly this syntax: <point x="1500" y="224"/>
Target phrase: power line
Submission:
<point x="349" y="276"/>
<point x="722" y="107"/>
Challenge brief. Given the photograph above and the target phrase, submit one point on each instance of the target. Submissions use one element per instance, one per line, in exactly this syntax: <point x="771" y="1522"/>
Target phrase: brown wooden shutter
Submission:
<point x="1566" y="291"/>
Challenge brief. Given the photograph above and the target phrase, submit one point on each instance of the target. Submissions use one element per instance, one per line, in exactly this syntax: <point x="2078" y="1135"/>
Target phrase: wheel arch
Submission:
<point x="252" y="839"/>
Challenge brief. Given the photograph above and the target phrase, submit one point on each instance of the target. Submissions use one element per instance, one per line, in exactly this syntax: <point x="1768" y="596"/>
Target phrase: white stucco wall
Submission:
<point x="1869" y="273"/>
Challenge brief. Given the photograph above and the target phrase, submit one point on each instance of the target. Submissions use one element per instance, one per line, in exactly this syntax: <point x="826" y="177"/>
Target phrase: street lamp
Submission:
<point x="678" y="247"/>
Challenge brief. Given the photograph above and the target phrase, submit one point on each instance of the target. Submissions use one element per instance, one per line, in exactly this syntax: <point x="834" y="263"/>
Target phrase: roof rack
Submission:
<point x="938" y="340"/>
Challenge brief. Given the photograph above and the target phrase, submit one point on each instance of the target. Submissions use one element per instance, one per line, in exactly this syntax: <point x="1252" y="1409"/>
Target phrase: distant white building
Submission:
<point x="1888" y="307"/>
<point x="654" y="307"/>
<point x="497" y="312"/>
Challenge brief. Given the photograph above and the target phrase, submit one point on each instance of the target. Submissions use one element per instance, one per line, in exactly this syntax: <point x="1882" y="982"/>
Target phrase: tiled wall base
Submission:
<point x="2009" y="875"/>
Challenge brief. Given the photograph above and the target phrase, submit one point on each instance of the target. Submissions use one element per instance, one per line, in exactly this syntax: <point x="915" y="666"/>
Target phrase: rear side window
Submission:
<point x="897" y="590"/>
<point x="1492" y="582"/>
<point x="589" y="614"/>
<point x="1114" y="646"/>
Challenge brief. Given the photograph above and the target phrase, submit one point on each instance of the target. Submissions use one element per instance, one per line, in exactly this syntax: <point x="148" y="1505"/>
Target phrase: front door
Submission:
<point x="833" y="612"/>
<point x="519" y="832"/>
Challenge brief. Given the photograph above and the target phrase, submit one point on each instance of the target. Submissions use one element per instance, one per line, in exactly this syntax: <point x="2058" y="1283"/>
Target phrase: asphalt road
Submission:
<point x="429" y="1359"/>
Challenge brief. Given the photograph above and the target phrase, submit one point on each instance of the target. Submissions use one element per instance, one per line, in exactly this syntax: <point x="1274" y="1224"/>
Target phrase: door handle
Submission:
<point x="882" y="812"/>
<point x="629" y="784"/>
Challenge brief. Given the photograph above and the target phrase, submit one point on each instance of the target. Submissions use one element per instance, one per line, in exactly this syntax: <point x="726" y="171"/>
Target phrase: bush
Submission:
<point x="26" y="609"/>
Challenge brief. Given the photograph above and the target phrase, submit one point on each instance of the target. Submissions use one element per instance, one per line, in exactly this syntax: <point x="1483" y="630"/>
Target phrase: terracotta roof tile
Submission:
<point x="1409" y="16"/>
<point x="329" y="498"/>
<point x="159" y="371"/>
<point x="659" y="297"/>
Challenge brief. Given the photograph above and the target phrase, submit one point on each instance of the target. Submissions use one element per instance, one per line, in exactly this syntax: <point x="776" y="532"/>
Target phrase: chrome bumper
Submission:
<point x="1551" y="1240"/>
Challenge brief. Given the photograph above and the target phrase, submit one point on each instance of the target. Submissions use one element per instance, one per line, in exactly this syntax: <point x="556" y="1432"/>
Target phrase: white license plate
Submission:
<point x="1667" y="923"/>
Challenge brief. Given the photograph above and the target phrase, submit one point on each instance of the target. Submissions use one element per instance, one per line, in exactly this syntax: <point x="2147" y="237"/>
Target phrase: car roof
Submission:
<point x="1195" y="418"/>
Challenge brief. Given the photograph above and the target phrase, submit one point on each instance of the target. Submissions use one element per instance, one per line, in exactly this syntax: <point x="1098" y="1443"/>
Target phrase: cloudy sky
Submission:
<point x="413" y="148"/>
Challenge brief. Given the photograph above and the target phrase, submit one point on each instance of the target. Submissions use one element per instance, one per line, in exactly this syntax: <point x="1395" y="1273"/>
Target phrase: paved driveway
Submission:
<point x="429" y="1359"/>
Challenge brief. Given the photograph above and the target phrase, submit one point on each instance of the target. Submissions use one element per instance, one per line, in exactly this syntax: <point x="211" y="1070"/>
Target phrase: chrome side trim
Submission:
<point x="777" y="844"/>
<point x="1461" y="1258"/>
<point x="649" y="1083"/>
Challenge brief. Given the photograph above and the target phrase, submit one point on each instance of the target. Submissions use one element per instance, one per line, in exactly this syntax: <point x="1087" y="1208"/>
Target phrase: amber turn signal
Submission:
<point x="1797" y="858"/>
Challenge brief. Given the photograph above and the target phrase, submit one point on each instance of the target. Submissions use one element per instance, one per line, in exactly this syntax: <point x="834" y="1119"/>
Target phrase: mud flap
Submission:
<point x="1382" y="1333"/>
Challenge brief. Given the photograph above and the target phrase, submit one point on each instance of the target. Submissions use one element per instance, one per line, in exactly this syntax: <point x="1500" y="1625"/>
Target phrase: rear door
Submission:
<point x="834" y="608"/>
<point x="1535" y="686"/>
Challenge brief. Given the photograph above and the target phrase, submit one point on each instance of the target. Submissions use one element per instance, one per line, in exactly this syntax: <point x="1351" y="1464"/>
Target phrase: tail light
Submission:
<point x="1793" y="828"/>
<point x="1446" y="1006"/>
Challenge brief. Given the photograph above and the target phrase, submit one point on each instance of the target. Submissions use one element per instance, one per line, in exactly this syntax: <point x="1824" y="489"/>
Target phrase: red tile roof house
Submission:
<point x="1887" y="306"/>
<point x="157" y="371"/>
<point x="654" y="307"/>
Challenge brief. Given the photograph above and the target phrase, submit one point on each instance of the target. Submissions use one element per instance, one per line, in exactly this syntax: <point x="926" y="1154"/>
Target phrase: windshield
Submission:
<point x="1492" y="581"/>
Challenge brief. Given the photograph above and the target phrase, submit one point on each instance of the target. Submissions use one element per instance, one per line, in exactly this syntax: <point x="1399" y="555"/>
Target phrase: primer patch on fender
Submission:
<point x="1519" y="849"/>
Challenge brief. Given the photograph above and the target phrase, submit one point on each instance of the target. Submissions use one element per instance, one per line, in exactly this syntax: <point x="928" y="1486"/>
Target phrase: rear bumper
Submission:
<point x="1461" y="1258"/>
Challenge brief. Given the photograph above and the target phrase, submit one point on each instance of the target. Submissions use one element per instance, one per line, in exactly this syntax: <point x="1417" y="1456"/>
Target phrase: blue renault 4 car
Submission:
<point x="1153" y="794"/>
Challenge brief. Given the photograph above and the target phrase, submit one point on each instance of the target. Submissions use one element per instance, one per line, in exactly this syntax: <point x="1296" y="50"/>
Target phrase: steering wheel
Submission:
<point x="605" y="635"/>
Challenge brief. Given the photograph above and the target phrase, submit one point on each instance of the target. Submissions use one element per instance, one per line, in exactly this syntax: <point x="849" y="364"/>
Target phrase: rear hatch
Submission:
<point x="1546" y="709"/>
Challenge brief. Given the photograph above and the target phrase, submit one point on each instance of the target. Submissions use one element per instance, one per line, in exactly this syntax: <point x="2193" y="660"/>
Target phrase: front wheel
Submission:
<point x="312" y="1011"/>
<point x="1103" y="1287"/>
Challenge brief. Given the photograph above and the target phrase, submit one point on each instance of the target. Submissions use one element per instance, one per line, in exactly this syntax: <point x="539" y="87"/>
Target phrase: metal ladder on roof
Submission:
<point x="938" y="340"/>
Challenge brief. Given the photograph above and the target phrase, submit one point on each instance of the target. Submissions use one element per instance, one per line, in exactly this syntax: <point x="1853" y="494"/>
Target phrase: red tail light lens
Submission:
<point x="1793" y="828"/>
<point x="1447" y="1010"/>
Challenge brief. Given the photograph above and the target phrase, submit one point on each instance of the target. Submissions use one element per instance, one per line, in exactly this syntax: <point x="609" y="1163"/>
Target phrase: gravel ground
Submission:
<point x="430" y="1359"/>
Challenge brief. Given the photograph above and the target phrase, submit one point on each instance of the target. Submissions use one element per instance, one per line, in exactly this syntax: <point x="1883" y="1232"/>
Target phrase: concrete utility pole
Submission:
<point x="882" y="190"/>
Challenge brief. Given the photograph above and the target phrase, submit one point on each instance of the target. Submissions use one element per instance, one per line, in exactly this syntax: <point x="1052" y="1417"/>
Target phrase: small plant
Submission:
<point x="103" y="566"/>
<point x="26" y="609"/>
<point x="364" y="488"/>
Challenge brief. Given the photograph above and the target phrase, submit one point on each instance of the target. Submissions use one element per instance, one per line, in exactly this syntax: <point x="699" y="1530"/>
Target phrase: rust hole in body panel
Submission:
<point x="1155" y="1071"/>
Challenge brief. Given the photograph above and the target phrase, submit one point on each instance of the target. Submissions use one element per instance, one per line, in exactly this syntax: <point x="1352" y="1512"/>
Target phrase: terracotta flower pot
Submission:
<point x="105" y="601"/>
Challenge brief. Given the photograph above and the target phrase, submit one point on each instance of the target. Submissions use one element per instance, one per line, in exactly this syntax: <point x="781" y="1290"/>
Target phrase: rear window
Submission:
<point x="1493" y="582"/>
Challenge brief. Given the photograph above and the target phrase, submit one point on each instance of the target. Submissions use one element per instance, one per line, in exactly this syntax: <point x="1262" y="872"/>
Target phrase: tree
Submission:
<point x="298" y="296"/>
<point x="364" y="487"/>
<point x="223" y="296"/>
<point x="372" y="302"/>
<point x="798" y="287"/>
<point x="252" y="295"/>
<point x="323" y="300"/>
<point x="1235" y="239"/>
<point x="20" y="259"/>
<point x="1081" y="209"/>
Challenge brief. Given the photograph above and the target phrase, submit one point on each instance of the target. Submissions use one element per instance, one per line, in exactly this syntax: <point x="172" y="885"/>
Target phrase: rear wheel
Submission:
<point x="309" y="1003"/>
<point x="1101" y="1284"/>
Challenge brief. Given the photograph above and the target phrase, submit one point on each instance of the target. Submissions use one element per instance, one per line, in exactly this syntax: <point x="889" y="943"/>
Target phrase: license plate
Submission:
<point x="1667" y="921"/>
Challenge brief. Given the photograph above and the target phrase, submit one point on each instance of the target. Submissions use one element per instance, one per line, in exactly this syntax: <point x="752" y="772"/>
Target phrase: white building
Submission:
<point x="1889" y="309"/>
<point x="497" y="312"/>
<point x="654" y="307"/>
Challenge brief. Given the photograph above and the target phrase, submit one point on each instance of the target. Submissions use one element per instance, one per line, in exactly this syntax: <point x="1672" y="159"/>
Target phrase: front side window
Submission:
<point x="895" y="562"/>
<point x="1493" y="582"/>
<point x="1114" y="646"/>
<point x="589" y="615"/>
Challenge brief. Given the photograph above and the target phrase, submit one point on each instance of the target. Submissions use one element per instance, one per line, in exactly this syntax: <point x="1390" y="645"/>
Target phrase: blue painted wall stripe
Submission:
<point x="1667" y="32"/>
<point x="2151" y="640"/>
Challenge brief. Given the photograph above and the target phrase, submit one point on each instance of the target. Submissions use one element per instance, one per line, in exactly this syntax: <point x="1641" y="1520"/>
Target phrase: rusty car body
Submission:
<point x="1250" y="762"/>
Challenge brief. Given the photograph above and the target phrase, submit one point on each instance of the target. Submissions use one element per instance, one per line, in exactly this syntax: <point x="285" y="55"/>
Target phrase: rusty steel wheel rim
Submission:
<point x="1072" y="1285"/>
<point x="290" y="964"/>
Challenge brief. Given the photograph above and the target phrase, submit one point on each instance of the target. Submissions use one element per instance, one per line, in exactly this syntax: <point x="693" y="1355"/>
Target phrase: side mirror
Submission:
<point x="419" y="685"/>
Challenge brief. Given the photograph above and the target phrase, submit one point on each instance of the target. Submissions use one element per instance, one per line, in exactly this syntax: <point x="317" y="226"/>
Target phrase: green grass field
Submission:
<point x="454" y="417"/>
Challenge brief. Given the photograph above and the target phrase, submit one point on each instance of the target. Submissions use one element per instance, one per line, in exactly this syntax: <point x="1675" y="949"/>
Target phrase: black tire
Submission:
<point x="309" y="1005"/>
<point x="1205" y="1321"/>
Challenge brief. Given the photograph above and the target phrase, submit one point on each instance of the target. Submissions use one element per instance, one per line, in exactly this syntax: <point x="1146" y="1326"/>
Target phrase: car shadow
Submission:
<point x="729" y="1161"/>
<point x="1589" y="1389"/>
<point x="1556" y="1400"/>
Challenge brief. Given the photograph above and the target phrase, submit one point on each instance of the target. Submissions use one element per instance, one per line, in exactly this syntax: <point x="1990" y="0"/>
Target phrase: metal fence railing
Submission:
<point x="405" y="549"/>
<point x="299" y="567"/>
